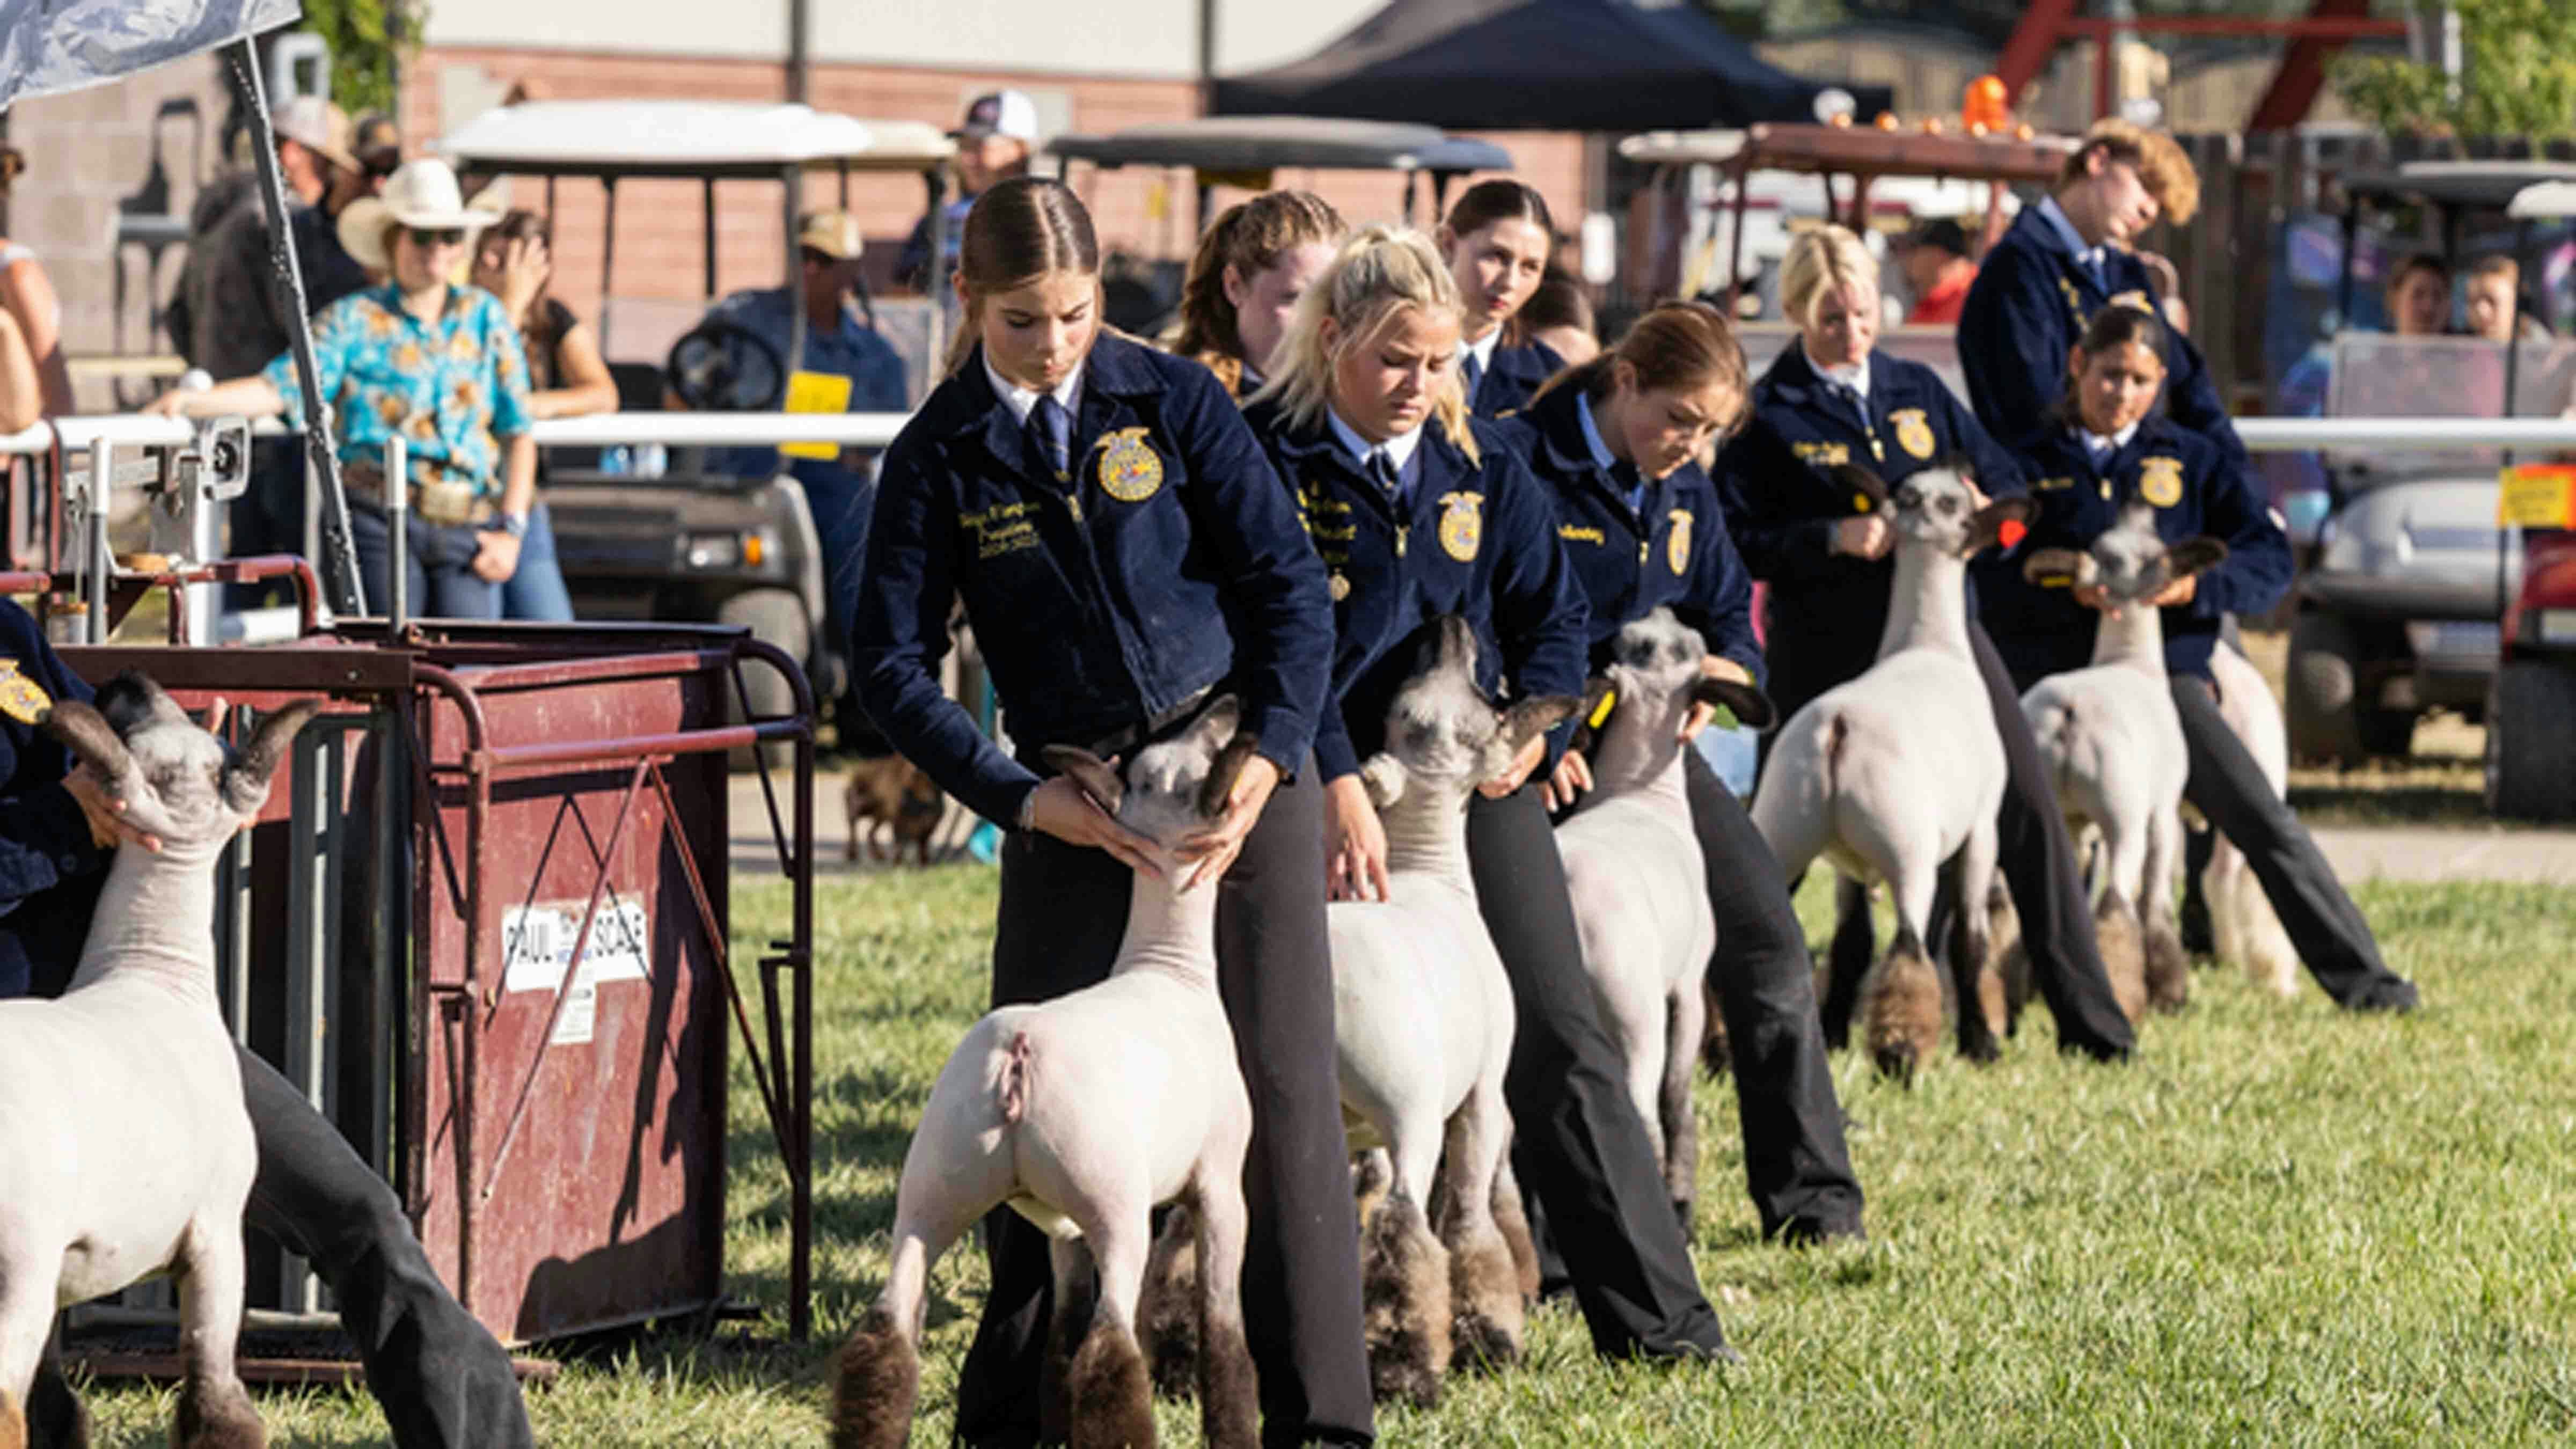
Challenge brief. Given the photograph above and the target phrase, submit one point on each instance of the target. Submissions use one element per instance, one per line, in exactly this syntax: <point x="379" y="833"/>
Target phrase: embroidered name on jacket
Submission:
<point x="1002" y="528"/>
<point x="1823" y="455"/>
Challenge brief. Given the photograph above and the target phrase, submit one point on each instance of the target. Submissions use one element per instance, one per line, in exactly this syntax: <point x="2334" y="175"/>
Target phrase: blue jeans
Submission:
<point x="439" y="573"/>
<point x="536" y="592"/>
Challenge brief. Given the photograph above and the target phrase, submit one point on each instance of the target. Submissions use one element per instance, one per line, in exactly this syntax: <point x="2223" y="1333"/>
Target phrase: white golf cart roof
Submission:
<point x="687" y="139"/>
<point x="1849" y="150"/>
<point x="2547" y="201"/>
<point x="1261" y="143"/>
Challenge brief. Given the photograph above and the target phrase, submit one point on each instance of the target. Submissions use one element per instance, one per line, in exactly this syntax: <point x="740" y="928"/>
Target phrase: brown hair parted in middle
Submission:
<point x="1677" y="346"/>
<point x="1501" y="199"/>
<point x="1018" y="231"/>
<point x="1248" y="238"/>
<point x="2117" y="325"/>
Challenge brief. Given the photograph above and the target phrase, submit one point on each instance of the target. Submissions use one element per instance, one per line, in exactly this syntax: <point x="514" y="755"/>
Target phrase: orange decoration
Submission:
<point x="2023" y="132"/>
<point x="1985" y="104"/>
<point x="1841" y="118"/>
<point x="1931" y="125"/>
<point x="1887" y="120"/>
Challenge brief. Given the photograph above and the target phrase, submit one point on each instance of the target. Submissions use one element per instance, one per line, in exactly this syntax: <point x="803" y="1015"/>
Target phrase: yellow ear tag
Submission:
<point x="1601" y="711"/>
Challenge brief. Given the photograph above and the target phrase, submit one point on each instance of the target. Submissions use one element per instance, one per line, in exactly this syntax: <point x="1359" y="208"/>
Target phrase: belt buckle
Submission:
<point x="444" y="501"/>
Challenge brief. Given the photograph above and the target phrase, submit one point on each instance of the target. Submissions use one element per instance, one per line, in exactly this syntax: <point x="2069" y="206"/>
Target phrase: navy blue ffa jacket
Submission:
<point x="1169" y="561"/>
<point x="44" y="837"/>
<point x="1774" y="481"/>
<point x="1670" y="550"/>
<point x="2025" y="312"/>
<point x="1471" y="538"/>
<point x="1516" y="372"/>
<point x="2196" y="492"/>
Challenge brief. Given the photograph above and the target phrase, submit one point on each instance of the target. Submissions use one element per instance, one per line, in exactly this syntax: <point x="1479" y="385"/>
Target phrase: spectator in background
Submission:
<point x="2419" y="296"/>
<point x="378" y="144"/>
<point x="1558" y="316"/>
<point x="1934" y="257"/>
<point x="566" y="378"/>
<point x="2494" y="284"/>
<point x="34" y="312"/>
<point x="993" y="144"/>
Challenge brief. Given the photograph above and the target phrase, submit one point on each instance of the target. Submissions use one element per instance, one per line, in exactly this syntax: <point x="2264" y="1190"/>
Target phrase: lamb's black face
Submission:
<point x="1935" y="506"/>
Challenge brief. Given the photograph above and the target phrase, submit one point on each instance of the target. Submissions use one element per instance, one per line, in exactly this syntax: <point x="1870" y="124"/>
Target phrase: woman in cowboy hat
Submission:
<point x="434" y="363"/>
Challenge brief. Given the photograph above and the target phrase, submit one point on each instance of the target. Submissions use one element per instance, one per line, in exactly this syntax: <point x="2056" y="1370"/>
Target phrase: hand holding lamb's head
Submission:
<point x="177" y="783"/>
<point x="2129" y="562"/>
<point x="1941" y="508"/>
<point x="1171" y="789"/>
<point x="1660" y="659"/>
<point x="1441" y="729"/>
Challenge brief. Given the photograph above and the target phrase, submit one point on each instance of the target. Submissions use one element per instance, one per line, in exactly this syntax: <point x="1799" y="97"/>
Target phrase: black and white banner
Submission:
<point x="50" y="46"/>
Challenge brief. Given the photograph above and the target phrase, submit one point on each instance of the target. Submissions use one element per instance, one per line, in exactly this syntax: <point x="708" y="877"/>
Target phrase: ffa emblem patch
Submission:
<point x="1913" y="431"/>
<point x="21" y="698"/>
<point x="1462" y="524"/>
<point x="2160" y="481"/>
<point x="1130" y="469"/>
<point x="1677" y="543"/>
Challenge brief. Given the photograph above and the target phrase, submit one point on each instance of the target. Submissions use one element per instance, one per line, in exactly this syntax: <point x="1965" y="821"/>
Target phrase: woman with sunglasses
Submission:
<point x="433" y="363"/>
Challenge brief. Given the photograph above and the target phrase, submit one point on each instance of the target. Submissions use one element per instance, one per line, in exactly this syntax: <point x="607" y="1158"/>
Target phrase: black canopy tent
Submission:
<point x="1538" y="65"/>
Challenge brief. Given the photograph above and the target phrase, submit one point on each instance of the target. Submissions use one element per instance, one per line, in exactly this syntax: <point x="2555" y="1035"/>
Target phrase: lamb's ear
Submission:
<point x="1089" y="771"/>
<point x="1218" y="792"/>
<point x="2194" y="555"/>
<point x="1750" y="706"/>
<point x="1868" y="490"/>
<point x="1536" y="715"/>
<point x="1598" y="701"/>
<point x="1991" y="522"/>
<point x="91" y="739"/>
<point x="246" y="776"/>
<point x="2056" y="568"/>
<point x="1453" y="646"/>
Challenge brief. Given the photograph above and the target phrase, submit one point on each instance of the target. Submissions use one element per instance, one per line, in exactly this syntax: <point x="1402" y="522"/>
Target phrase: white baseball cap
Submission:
<point x="1001" y="113"/>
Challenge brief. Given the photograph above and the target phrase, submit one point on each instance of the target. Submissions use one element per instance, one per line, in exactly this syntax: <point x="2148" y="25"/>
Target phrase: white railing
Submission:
<point x="876" y="430"/>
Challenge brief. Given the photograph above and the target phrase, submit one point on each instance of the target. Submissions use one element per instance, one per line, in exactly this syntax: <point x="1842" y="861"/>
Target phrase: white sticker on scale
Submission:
<point x="537" y="946"/>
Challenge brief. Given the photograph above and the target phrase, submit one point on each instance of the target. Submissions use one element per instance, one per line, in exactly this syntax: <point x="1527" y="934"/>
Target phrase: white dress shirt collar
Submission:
<point x="1853" y="375"/>
<point x="1022" y="401"/>
<point x="1399" y="449"/>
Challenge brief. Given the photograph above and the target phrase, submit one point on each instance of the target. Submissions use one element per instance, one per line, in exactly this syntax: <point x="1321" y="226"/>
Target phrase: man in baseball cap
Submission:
<point x="1937" y="268"/>
<point x="993" y="144"/>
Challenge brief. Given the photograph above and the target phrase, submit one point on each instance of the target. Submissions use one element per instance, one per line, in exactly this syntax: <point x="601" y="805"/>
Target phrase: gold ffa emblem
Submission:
<point x="1462" y="524"/>
<point x="2160" y="481"/>
<point x="1130" y="469"/>
<point x="1341" y="587"/>
<point x="1913" y="431"/>
<point x="1677" y="543"/>
<point x="21" y="698"/>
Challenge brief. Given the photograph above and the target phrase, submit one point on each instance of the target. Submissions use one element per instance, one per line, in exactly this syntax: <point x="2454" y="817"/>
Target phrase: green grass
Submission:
<point x="2282" y="1224"/>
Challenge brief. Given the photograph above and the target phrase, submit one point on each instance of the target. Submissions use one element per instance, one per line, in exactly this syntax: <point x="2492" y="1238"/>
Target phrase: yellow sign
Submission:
<point x="815" y="392"/>
<point x="2537" y="495"/>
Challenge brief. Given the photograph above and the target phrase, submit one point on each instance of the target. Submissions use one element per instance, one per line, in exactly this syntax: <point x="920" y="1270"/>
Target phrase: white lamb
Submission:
<point x="2242" y="922"/>
<point x="1640" y="885"/>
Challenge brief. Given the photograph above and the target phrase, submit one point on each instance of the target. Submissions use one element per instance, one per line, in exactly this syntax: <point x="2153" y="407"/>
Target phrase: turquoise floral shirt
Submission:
<point x="454" y="389"/>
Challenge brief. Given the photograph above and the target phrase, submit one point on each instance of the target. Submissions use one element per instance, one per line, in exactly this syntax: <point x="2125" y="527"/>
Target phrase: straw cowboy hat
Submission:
<point x="421" y="194"/>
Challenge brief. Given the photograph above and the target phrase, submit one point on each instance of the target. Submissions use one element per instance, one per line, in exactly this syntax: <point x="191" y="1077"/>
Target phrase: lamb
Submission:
<point x="1897" y="775"/>
<point x="1423" y="1023"/>
<point x="2114" y="745"/>
<point x="1639" y="883"/>
<point x="2244" y="927"/>
<point x="125" y="1150"/>
<point x="891" y="791"/>
<point x="1083" y="1113"/>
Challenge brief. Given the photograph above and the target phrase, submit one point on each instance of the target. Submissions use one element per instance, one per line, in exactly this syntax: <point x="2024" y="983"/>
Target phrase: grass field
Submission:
<point x="2281" y="1224"/>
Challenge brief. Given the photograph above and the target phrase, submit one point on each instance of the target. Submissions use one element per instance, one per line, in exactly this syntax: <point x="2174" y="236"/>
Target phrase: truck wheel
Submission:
<point x="2328" y="717"/>
<point x="2531" y="747"/>
<point x="774" y="616"/>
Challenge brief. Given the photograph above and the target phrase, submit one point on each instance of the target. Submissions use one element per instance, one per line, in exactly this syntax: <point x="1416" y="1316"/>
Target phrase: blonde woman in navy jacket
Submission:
<point x="1616" y="441"/>
<point x="2108" y="449"/>
<point x="1125" y="555"/>
<point x="1419" y="513"/>
<point x="1831" y="399"/>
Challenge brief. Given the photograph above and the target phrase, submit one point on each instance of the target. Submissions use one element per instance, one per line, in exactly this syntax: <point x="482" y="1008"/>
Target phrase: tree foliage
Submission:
<point x="2518" y="77"/>
<point x="369" y="39"/>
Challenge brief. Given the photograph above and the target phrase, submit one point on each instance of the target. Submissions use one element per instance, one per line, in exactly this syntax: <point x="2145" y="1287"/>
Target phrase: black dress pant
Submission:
<point x="2229" y="788"/>
<point x="1063" y="911"/>
<point x="1795" y="1163"/>
<point x="2031" y="846"/>
<point x="1578" y="1147"/>
<point x="443" y="1380"/>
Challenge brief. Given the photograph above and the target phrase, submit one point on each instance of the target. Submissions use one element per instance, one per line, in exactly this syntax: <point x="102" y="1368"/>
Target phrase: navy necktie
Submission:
<point x="1054" y="430"/>
<point x="1631" y="485"/>
<point x="1381" y="466"/>
<point x="2094" y="261"/>
<point x="1470" y="373"/>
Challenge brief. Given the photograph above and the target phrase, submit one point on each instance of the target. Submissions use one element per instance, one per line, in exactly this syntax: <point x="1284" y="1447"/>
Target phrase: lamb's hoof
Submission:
<point x="1984" y="1051"/>
<point x="878" y="1378"/>
<point x="1168" y="1308"/>
<point x="1683" y="1210"/>
<point x="1112" y="1404"/>
<point x="1478" y="1342"/>
<point x="218" y="1415"/>
<point x="1896" y="1059"/>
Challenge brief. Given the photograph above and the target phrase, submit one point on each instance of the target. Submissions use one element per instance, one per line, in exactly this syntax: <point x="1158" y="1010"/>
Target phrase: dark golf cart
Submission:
<point x="695" y="543"/>
<point x="2398" y="609"/>
<point x="1245" y="151"/>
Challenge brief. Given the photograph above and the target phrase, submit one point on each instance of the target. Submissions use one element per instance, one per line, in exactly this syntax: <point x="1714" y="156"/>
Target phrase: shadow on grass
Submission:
<point x="2362" y="803"/>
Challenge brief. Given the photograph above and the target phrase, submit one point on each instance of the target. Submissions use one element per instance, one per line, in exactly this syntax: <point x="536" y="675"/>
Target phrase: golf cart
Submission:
<point x="1725" y="206"/>
<point x="2397" y="612"/>
<point x="695" y="544"/>
<point x="1244" y="151"/>
<point x="2531" y="712"/>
